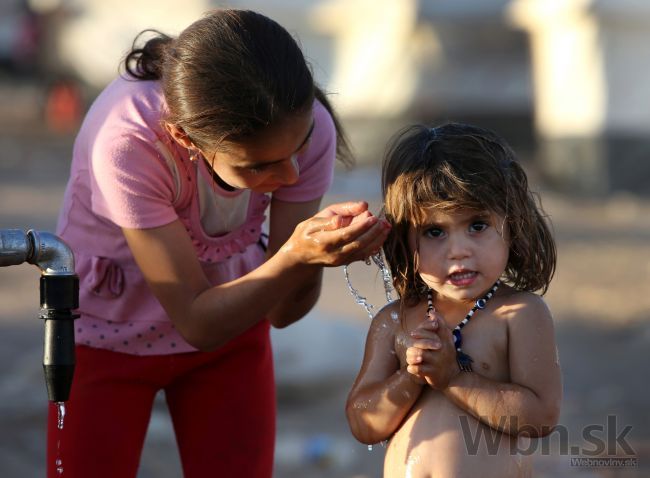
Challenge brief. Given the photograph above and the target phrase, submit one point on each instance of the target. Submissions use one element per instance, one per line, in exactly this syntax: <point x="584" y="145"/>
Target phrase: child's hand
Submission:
<point x="424" y="337"/>
<point x="435" y="365"/>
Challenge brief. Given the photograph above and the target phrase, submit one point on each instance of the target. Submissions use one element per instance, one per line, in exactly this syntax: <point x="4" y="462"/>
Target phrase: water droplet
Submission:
<point x="369" y="447"/>
<point x="60" y="414"/>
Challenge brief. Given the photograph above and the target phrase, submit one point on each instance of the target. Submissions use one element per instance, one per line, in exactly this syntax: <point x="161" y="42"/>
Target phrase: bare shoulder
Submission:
<point x="515" y="306"/>
<point x="387" y="318"/>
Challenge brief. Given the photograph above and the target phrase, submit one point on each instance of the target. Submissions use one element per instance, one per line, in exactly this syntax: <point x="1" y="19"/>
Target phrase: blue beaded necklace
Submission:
<point x="464" y="360"/>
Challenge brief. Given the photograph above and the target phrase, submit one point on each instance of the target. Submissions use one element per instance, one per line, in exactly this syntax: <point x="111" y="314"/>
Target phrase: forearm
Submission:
<point x="507" y="407"/>
<point x="298" y="303"/>
<point x="222" y="312"/>
<point x="375" y="412"/>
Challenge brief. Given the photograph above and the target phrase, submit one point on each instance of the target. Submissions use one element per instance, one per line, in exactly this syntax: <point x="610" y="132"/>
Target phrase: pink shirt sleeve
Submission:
<point x="317" y="164"/>
<point x="131" y="185"/>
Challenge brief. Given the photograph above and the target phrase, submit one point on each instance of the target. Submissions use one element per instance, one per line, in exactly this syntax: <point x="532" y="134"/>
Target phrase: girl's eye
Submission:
<point x="478" y="226"/>
<point x="257" y="169"/>
<point x="433" y="232"/>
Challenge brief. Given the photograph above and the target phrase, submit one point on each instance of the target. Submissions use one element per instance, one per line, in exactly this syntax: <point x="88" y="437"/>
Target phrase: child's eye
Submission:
<point x="478" y="226"/>
<point x="433" y="232"/>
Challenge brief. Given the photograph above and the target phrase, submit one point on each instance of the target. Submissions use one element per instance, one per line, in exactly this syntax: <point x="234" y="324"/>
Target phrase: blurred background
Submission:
<point x="564" y="81"/>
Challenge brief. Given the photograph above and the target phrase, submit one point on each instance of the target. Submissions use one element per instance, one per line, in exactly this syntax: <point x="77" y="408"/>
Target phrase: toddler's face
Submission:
<point x="462" y="252"/>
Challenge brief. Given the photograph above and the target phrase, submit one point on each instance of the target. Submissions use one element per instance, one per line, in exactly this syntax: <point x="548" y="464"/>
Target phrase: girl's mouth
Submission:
<point x="462" y="278"/>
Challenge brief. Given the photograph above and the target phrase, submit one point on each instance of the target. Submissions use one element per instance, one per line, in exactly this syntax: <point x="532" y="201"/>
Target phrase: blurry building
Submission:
<point x="563" y="80"/>
<point x="592" y="95"/>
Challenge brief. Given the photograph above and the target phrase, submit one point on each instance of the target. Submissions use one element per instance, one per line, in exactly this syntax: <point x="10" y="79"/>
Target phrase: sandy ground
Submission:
<point x="600" y="298"/>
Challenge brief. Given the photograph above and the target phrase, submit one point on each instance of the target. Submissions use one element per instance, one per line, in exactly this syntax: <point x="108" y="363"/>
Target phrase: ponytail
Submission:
<point x="145" y="63"/>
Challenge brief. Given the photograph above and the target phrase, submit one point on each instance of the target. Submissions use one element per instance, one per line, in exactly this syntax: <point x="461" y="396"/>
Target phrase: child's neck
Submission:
<point x="453" y="310"/>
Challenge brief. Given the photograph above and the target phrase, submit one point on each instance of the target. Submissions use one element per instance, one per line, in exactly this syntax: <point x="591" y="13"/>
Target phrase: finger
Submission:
<point x="350" y="208"/>
<point x="376" y="238"/>
<point x="331" y="223"/>
<point x="427" y="344"/>
<point x="365" y="241"/>
<point x="413" y="369"/>
<point x="413" y="355"/>
<point x="442" y="323"/>
<point x="430" y="326"/>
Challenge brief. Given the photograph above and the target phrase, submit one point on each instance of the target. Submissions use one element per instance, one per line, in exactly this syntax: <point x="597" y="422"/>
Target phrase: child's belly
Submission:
<point x="438" y="439"/>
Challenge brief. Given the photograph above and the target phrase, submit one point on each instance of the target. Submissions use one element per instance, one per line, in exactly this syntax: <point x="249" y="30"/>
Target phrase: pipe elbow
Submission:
<point x="50" y="254"/>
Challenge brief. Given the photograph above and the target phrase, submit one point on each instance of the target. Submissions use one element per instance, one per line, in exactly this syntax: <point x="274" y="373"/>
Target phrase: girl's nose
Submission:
<point x="290" y="170"/>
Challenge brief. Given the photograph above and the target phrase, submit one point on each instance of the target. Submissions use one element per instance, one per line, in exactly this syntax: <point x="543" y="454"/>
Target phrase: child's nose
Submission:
<point x="459" y="247"/>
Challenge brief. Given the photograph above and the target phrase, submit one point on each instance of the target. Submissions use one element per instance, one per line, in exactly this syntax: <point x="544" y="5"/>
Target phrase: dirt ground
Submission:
<point x="600" y="298"/>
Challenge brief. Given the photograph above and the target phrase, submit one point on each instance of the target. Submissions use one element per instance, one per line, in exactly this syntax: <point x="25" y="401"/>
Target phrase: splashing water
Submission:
<point x="358" y="298"/>
<point x="386" y="278"/>
<point x="60" y="406"/>
<point x="385" y="275"/>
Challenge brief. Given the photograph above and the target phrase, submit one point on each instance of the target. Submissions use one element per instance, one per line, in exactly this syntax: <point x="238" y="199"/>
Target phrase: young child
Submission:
<point x="462" y="370"/>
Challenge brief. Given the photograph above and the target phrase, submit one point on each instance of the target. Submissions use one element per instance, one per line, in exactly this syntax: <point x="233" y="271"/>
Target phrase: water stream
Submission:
<point x="60" y="408"/>
<point x="387" y="280"/>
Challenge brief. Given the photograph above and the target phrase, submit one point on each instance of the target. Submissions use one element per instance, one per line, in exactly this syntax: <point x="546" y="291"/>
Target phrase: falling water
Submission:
<point x="60" y="406"/>
<point x="385" y="275"/>
<point x="359" y="299"/>
<point x="386" y="278"/>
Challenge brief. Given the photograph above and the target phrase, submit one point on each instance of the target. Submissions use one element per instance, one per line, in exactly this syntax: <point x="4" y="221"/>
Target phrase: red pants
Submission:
<point x="222" y="406"/>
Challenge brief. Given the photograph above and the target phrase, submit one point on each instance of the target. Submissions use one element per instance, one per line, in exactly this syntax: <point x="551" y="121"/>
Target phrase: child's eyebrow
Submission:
<point x="482" y="215"/>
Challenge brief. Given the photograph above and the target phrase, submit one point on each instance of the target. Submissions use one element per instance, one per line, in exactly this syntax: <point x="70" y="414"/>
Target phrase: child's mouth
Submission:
<point x="462" y="278"/>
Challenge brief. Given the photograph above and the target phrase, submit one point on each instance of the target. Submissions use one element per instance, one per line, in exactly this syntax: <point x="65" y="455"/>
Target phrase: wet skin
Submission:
<point x="410" y="390"/>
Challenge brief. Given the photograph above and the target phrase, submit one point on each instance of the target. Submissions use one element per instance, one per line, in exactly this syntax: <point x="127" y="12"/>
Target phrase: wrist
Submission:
<point x="456" y="378"/>
<point x="412" y="378"/>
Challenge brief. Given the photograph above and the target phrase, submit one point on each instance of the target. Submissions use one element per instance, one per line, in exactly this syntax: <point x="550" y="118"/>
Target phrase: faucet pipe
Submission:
<point x="59" y="295"/>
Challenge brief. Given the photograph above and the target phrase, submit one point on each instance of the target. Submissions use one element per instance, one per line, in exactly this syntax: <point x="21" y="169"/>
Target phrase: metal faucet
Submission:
<point x="59" y="288"/>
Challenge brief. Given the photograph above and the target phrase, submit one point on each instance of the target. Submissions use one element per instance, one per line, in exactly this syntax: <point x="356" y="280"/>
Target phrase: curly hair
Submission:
<point x="455" y="166"/>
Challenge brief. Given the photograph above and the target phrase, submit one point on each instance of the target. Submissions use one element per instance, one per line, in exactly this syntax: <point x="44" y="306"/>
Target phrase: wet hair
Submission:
<point x="462" y="166"/>
<point x="228" y="76"/>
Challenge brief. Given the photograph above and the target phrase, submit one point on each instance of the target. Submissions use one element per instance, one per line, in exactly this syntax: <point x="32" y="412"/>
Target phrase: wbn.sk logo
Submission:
<point x="603" y="443"/>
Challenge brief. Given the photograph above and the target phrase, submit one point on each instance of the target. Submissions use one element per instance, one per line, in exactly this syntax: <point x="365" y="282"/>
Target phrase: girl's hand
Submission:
<point x="435" y="365"/>
<point x="339" y="234"/>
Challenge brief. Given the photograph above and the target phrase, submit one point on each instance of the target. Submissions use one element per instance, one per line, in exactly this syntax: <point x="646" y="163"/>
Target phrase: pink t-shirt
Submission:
<point x="127" y="172"/>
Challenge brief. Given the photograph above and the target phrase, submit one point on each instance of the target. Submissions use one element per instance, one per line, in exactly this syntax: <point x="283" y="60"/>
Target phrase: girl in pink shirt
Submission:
<point x="174" y="169"/>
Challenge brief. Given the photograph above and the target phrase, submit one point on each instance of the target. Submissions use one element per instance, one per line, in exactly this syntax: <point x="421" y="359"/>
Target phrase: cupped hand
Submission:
<point x="339" y="234"/>
<point x="435" y="365"/>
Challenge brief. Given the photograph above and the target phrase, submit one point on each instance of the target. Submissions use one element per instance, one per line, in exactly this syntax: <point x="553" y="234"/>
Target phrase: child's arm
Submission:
<point x="530" y="402"/>
<point x="383" y="392"/>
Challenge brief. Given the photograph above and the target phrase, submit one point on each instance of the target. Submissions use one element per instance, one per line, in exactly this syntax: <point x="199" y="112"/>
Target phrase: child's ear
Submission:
<point x="179" y="135"/>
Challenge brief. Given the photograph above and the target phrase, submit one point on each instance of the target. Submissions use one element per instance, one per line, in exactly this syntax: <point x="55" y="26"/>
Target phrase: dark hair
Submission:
<point x="229" y="75"/>
<point x="458" y="165"/>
